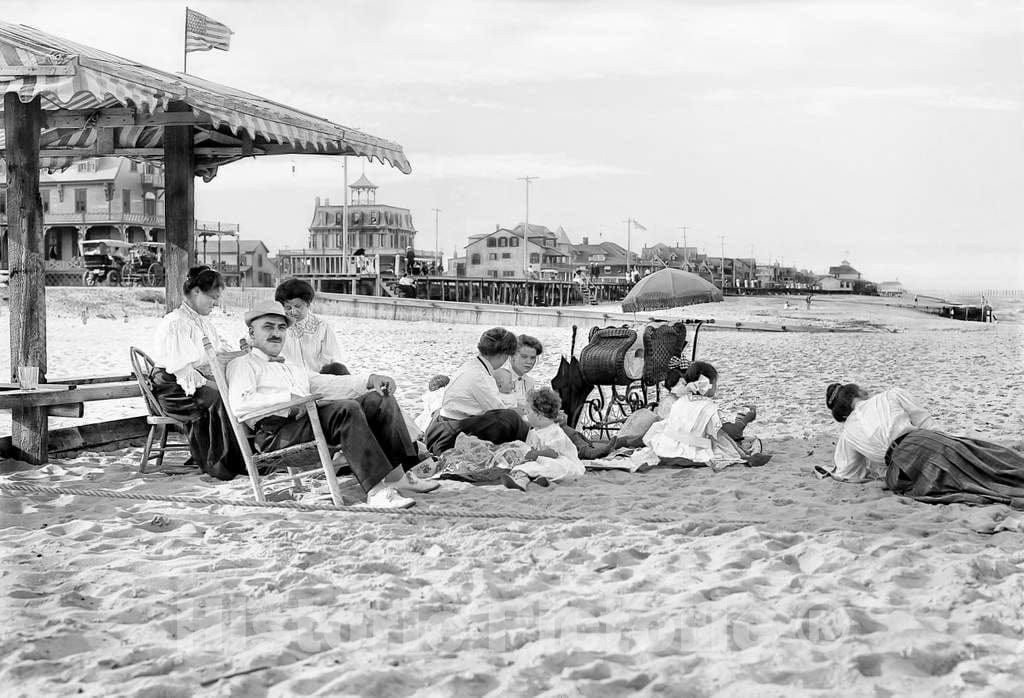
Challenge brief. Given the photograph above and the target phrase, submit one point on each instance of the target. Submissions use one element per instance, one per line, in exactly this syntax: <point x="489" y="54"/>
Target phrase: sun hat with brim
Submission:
<point x="267" y="308"/>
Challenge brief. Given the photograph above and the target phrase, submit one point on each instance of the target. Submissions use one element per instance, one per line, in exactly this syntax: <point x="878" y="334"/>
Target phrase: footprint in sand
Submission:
<point x="623" y="558"/>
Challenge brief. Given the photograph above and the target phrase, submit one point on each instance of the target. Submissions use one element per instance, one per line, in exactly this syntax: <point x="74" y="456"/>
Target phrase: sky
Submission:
<point x="888" y="133"/>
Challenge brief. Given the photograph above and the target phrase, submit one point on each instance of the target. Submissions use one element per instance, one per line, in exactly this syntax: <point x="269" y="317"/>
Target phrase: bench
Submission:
<point x="31" y="409"/>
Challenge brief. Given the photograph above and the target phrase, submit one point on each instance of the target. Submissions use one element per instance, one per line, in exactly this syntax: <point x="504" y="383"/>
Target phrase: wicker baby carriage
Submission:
<point x="612" y="356"/>
<point x="662" y="342"/>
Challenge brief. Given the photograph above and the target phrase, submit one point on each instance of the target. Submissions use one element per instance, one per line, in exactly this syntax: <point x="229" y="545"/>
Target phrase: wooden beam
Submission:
<point x="22" y="125"/>
<point x="173" y="118"/>
<point x="104" y="141"/>
<point x="83" y="393"/>
<point x="179" y="206"/>
<point x="26" y="71"/>
<point x="83" y="153"/>
<point x="80" y="118"/>
<point x="89" y="152"/>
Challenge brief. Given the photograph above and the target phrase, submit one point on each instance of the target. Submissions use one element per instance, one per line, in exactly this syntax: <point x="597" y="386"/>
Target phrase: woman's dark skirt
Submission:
<point x="210" y="439"/>
<point x="937" y="468"/>
<point x="496" y="426"/>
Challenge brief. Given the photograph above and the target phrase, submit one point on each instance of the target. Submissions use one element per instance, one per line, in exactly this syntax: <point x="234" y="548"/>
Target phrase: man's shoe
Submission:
<point x="410" y="483"/>
<point x="383" y="497"/>
<point x="515" y="480"/>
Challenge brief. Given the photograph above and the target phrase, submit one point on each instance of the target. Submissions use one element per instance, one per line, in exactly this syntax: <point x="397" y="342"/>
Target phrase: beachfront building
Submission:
<point x="101" y="198"/>
<point x="375" y="228"/>
<point x="500" y="254"/>
<point x="660" y="256"/>
<point x="845" y="273"/>
<point x="891" y="288"/>
<point x="604" y="260"/>
<point x="242" y="262"/>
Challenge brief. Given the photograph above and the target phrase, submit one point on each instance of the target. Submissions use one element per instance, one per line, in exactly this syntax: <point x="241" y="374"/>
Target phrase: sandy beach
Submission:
<point x="762" y="581"/>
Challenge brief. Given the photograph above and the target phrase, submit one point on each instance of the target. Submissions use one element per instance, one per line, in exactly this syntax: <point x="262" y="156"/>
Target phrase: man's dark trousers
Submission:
<point x="369" y="429"/>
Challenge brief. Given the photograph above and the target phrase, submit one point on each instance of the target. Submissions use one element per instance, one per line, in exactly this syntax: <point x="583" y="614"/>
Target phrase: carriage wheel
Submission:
<point x="113" y="277"/>
<point x="156" y="274"/>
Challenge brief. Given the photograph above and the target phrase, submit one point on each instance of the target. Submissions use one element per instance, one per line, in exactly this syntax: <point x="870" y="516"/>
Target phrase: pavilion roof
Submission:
<point x="97" y="103"/>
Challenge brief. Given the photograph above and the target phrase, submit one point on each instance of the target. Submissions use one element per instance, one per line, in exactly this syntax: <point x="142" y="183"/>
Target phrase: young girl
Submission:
<point x="694" y="430"/>
<point x="886" y="434"/>
<point x="553" y="457"/>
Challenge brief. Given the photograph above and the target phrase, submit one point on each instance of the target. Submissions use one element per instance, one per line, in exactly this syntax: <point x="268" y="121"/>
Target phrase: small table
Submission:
<point x="31" y="410"/>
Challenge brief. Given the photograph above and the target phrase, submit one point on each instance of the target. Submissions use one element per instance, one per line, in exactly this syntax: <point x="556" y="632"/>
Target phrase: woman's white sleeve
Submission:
<point x="850" y="463"/>
<point x="181" y="356"/>
<point x="919" y="416"/>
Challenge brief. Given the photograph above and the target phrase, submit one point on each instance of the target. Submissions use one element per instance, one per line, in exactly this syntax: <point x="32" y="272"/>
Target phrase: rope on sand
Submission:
<point x="10" y="487"/>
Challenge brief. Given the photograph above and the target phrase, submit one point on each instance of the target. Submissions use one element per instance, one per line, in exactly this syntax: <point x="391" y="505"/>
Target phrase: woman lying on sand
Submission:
<point x="886" y="434"/>
<point x="694" y="432"/>
<point x="182" y="382"/>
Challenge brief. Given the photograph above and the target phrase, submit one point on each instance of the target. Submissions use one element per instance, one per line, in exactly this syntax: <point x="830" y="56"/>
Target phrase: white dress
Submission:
<point x="567" y="466"/>
<point x="178" y="346"/>
<point x="691" y="431"/>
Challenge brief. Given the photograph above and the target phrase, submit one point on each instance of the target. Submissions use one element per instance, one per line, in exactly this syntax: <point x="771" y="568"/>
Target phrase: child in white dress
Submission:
<point x="553" y="456"/>
<point x="694" y="430"/>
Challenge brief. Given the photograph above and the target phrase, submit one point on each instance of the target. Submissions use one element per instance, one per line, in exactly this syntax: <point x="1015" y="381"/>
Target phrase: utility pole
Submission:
<point x="629" y="243"/>
<point x="686" y="257"/>
<point x="722" y="238"/>
<point x="526" y="228"/>
<point x="437" y="250"/>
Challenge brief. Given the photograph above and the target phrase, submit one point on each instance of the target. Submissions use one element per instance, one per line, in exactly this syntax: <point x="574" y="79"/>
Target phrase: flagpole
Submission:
<point x="184" y="45"/>
<point x="344" y="218"/>
<point x="629" y="243"/>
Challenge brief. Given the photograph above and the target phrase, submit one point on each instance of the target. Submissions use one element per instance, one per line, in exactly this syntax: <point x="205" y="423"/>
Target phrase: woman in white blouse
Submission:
<point x="472" y="404"/>
<point x="311" y="342"/>
<point x="182" y="382"/>
<point x="888" y="435"/>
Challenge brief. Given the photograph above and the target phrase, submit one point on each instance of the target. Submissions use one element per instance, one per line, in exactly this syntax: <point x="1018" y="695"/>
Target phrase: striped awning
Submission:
<point x="70" y="76"/>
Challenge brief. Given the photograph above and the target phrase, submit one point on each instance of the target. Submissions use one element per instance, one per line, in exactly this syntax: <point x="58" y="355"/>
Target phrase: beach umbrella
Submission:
<point x="669" y="288"/>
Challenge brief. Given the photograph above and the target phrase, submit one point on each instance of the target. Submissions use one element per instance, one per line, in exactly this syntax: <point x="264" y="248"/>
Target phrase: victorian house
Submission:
<point x="102" y="198"/>
<point x="501" y="254"/>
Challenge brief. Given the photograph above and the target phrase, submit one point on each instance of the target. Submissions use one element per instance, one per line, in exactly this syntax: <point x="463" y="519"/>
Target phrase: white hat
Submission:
<point x="267" y="308"/>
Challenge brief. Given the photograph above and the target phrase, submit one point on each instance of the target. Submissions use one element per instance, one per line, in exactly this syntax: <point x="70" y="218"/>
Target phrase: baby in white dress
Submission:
<point x="553" y="456"/>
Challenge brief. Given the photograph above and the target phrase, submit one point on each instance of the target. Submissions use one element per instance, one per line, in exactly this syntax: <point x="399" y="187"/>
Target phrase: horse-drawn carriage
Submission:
<point x="621" y="370"/>
<point x="144" y="266"/>
<point x="119" y="263"/>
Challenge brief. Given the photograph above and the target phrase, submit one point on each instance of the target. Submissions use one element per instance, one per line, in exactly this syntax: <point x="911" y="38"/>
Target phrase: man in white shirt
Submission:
<point x="370" y="428"/>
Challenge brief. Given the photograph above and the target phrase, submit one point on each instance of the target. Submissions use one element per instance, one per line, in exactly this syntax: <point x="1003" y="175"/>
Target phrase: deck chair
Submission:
<point x="287" y="457"/>
<point x="160" y="425"/>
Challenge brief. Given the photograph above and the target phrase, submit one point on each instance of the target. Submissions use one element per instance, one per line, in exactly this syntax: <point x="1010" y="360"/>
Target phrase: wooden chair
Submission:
<point x="288" y="456"/>
<point x="160" y="425"/>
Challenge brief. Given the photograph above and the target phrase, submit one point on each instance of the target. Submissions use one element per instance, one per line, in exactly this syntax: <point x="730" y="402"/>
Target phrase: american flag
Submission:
<point x="203" y="33"/>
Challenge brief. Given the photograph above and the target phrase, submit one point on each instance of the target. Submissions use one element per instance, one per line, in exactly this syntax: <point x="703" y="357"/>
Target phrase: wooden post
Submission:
<point x="179" y="206"/>
<point x="22" y="123"/>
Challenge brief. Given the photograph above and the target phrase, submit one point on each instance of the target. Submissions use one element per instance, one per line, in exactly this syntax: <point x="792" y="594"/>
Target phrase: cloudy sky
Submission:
<point x="886" y="132"/>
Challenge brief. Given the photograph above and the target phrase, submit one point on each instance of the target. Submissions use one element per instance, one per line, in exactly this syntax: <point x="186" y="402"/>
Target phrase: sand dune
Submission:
<point x="673" y="582"/>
